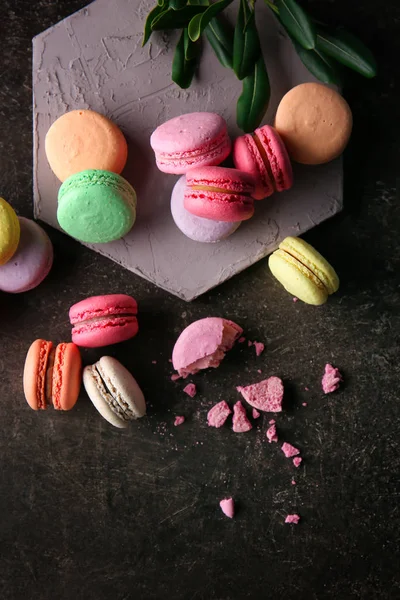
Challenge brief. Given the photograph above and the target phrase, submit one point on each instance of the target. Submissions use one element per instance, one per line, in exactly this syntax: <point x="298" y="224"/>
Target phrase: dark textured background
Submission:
<point x="90" y="512"/>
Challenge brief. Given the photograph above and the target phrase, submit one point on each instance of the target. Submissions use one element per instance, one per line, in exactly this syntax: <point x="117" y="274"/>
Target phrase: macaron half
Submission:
<point x="303" y="272"/>
<point x="219" y="194"/>
<point x="114" y="392"/>
<point x="52" y="376"/>
<point x="9" y="232"/>
<point x="96" y="206"/>
<point x="190" y="141"/>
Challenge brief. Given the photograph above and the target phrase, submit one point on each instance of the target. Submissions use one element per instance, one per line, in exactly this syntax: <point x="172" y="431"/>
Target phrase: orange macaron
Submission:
<point x="52" y="376"/>
<point x="84" y="139"/>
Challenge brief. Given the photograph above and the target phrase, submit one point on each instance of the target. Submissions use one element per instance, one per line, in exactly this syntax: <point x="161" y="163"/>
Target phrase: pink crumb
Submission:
<point x="259" y="346"/>
<point x="292" y="519"/>
<point x="190" y="390"/>
<point x="241" y="424"/>
<point x="331" y="379"/>
<point x="153" y="362"/>
<point x="179" y="420"/>
<point x="241" y="340"/>
<point x="259" y="371"/>
<point x="175" y="377"/>
<point x="255" y="413"/>
<point x="218" y="414"/>
<point x="304" y="403"/>
<point x="249" y="343"/>
<point x="228" y="507"/>
<point x="307" y="389"/>
<point x="170" y="360"/>
<point x="271" y="434"/>
<point x="295" y="299"/>
<point x="297" y="461"/>
<point x="271" y="422"/>
<point x="293" y="482"/>
<point x="267" y="395"/>
<point x="289" y="450"/>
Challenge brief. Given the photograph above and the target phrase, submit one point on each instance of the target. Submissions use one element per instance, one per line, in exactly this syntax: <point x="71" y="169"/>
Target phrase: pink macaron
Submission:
<point x="264" y="156"/>
<point x="219" y="194"/>
<point x="103" y="320"/>
<point x="203" y="344"/>
<point x="189" y="141"/>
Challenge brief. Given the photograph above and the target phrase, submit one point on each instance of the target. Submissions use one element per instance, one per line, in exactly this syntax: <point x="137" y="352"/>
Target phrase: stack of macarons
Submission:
<point x="87" y="152"/>
<point x="26" y="252"/>
<point x="53" y="376"/>
<point x="312" y="126"/>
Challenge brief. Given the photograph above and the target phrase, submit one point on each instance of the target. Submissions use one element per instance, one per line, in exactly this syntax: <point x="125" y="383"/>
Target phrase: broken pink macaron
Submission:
<point x="331" y="380"/>
<point x="203" y="344"/>
<point x="264" y="156"/>
<point x="292" y="519"/>
<point x="241" y="423"/>
<point x="266" y="395"/>
<point x="271" y="433"/>
<point x="289" y="450"/>
<point x="191" y="140"/>
<point x="103" y="320"/>
<point x="228" y="507"/>
<point x="218" y="414"/>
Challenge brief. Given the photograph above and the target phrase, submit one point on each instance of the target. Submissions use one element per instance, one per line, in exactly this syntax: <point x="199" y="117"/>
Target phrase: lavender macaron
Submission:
<point x="32" y="261"/>
<point x="197" y="228"/>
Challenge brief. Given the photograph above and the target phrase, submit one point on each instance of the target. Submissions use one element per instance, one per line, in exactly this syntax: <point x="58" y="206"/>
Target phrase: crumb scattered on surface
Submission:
<point x="289" y="450"/>
<point x="259" y="371"/>
<point x="259" y="346"/>
<point x="331" y="379"/>
<point x="241" y="340"/>
<point x="190" y="390"/>
<point x="271" y="434"/>
<point x="307" y="389"/>
<point x="295" y="299"/>
<point x="218" y="414"/>
<point x="153" y="362"/>
<point x="175" y="377"/>
<point x="267" y="395"/>
<point x="293" y="482"/>
<point x="292" y="519"/>
<point x="249" y="343"/>
<point x="271" y="421"/>
<point x="170" y="360"/>
<point x="255" y="413"/>
<point x="297" y="461"/>
<point x="241" y="423"/>
<point x="304" y="403"/>
<point x="228" y="507"/>
<point x="179" y="420"/>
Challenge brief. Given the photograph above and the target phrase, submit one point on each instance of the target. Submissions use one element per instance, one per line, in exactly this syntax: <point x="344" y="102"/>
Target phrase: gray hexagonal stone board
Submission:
<point x="94" y="59"/>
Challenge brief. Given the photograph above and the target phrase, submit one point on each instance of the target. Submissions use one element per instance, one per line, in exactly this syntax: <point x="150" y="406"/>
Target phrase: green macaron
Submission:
<point x="96" y="206"/>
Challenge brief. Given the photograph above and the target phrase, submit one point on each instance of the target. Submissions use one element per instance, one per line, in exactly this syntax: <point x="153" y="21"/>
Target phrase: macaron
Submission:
<point x="203" y="344"/>
<point x="219" y="194"/>
<point x="114" y="392"/>
<point x="32" y="261"/>
<point x="52" y="376"/>
<point x="197" y="228"/>
<point x="103" y="320"/>
<point x="84" y="139"/>
<point x="193" y="140"/>
<point x="9" y="232"/>
<point x="263" y="155"/>
<point x="96" y="206"/>
<point x="303" y="272"/>
<point x="315" y="123"/>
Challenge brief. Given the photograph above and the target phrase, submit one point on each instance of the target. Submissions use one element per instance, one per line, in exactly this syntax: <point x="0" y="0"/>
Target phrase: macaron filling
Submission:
<point x="111" y="395"/>
<point x="50" y="382"/>
<point x="217" y="190"/>
<point x="294" y="260"/>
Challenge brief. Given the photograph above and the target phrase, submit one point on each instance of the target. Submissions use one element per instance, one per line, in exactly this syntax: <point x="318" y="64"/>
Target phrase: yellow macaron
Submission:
<point x="9" y="232"/>
<point x="303" y="271"/>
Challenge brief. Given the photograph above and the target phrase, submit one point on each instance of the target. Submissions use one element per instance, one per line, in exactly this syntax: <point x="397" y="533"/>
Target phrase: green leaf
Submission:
<point x="182" y="69"/>
<point x="192" y="49"/>
<point x="200" y="22"/>
<point x="177" y="4"/>
<point x="297" y="23"/>
<point x="176" y="19"/>
<point x="198" y="3"/>
<point x="319" y="65"/>
<point x="220" y="37"/>
<point x="253" y="102"/>
<point x="157" y="10"/>
<point x="160" y="2"/>
<point x="348" y="50"/>
<point x="246" y="44"/>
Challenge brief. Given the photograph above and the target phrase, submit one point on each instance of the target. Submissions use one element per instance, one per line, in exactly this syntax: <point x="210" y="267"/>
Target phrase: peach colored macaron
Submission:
<point x="315" y="123"/>
<point x="84" y="139"/>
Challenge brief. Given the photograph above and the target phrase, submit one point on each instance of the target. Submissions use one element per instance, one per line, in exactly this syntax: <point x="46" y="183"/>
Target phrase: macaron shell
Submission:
<point x="9" y="232"/>
<point x="105" y="333"/>
<point x="297" y="279"/>
<point x="32" y="261"/>
<point x="67" y="377"/>
<point x="197" y="228"/>
<point x="100" y="306"/>
<point x="96" y="206"/>
<point x="315" y="123"/>
<point x="98" y="395"/>
<point x="84" y="139"/>
<point x="278" y="157"/>
<point x="246" y="157"/>
<point x="34" y="377"/>
<point x="219" y="207"/>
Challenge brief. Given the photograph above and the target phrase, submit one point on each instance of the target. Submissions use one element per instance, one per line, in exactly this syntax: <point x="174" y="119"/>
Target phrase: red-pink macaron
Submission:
<point x="219" y="194"/>
<point x="103" y="320"/>
<point x="190" y="141"/>
<point x="263" y="155"/>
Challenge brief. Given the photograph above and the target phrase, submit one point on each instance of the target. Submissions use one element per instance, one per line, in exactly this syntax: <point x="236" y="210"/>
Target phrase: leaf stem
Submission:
<point x="272" y="6"/>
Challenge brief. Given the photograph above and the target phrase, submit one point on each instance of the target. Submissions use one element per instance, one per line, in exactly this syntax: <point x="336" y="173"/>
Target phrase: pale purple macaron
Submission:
<point x="32" y="261"/>
<point x="189" y="141"/>
<point x="197" y="228"/>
